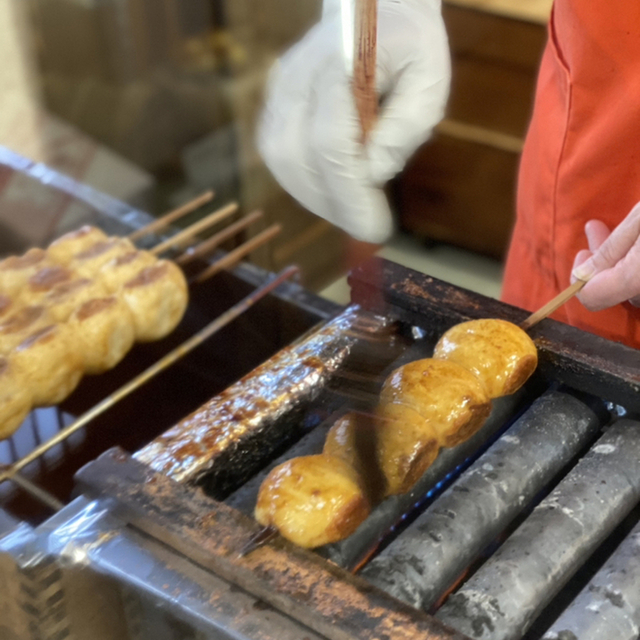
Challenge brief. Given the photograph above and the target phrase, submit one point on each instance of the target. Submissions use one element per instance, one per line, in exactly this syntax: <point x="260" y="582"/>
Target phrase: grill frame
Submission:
<point x="585" y="362"/>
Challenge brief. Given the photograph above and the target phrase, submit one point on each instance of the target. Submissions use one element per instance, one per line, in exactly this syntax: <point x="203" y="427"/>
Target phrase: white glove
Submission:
<point x="614" y="258"/>
<point x="309" y="134"/>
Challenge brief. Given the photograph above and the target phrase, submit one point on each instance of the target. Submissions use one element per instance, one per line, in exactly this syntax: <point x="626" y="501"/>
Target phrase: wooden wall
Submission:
<point x="460" y="187"/>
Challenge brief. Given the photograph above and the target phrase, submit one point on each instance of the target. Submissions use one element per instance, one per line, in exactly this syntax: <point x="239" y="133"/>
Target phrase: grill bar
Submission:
<point x="427" y="558"/>
<point x="351" y="552"/>
<point x="609" y="607"/>
<point x="503" y="598"/>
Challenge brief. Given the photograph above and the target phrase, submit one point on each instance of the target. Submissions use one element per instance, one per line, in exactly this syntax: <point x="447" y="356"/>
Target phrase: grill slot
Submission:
<point x="387" y="517"/>
<point x="503" y="598"/>
<point x="389" y="514"/>
<point x="609" y="606"/>
<point x="427" y="558"/>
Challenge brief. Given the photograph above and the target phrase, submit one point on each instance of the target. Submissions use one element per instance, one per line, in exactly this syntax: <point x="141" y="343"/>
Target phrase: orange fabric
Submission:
<point x="581" y="159"/>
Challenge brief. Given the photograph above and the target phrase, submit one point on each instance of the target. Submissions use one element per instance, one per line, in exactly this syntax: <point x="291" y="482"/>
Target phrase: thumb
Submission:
<point x="581" y="258"/>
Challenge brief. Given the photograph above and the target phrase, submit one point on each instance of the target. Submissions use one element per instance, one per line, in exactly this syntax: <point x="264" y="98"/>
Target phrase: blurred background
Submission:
<point x="155" y="101"/>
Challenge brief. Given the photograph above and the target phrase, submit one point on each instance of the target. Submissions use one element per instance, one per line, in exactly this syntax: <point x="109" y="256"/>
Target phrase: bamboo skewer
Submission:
<point x="181" y="238"/>
<point x="236" y="255"/>
<point x="172" y="216"/>
<point x="214" y="241"/>
<point x="553" y="305"/>
<point x="366" y="99"/>
<point x="213" y="327"/>
<point x="365" y="59"/>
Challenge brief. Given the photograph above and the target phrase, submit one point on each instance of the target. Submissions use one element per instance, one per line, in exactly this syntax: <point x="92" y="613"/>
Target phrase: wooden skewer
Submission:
<point x="180" y="239"/>
<point x="554" y="304"/>
<point x="364" y="72"/>
<point x="262" y="537"/>
<point x="186" y="347"/>
<point x="236" y="255"/>
<point x="216" y="240"/>
<point x="366" y="99"/>
<point x="37" y="492"/>
<point x="172" y="216"/>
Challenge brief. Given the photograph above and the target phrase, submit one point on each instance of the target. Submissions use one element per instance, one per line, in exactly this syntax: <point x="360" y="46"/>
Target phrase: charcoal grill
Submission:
<point x="528" y="530"/>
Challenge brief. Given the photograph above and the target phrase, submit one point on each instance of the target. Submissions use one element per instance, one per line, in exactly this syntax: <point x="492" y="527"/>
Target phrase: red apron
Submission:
<point x="581" y="159"/>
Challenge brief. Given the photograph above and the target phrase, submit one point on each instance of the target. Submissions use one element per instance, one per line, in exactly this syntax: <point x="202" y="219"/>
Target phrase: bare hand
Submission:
<point x="611" y="264"/>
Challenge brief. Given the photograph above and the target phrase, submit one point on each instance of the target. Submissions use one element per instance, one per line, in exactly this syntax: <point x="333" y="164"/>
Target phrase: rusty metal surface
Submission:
<point x="298" y="583"/>
<point x="165" y="596"/>
<point x="248" y="415"/>
<point x="581" y="360"/>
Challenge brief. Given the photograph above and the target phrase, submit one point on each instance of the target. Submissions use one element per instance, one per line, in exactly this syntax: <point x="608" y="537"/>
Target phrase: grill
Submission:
<point x="528" y="530"/>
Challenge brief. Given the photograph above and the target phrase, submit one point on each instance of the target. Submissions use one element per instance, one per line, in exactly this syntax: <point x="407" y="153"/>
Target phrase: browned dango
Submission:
<point x="51" y="363"/>
<point x="15" y="396"/>
<point x="63" y="250"/>
<point x="157" y="298"/>
<point x="499" y="353"/>
<point x="104" y="333"/>
<point x="424" y="405"/>
<point x="313" y="500"/>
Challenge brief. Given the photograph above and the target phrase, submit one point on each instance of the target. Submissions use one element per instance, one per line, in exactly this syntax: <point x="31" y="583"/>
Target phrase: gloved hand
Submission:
<point x="614" y="258"/>
<point x="309" y="134"/>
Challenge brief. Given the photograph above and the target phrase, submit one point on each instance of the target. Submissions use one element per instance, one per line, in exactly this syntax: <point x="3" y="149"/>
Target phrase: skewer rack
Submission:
<point x="186" y="251"/>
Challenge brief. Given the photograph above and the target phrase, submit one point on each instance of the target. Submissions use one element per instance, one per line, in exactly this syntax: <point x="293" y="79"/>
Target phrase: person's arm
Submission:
<point x="612" y="263"/>
<point x="309" y="134"/>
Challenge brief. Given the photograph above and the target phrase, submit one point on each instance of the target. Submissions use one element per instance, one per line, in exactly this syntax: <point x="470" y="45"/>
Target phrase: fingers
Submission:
<point x="309" y="134"/>
<point x="614" y="248"/>
<point x="613" y="266"/>
<point x="597" y="232"/>
<point x="614" y="285"/>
